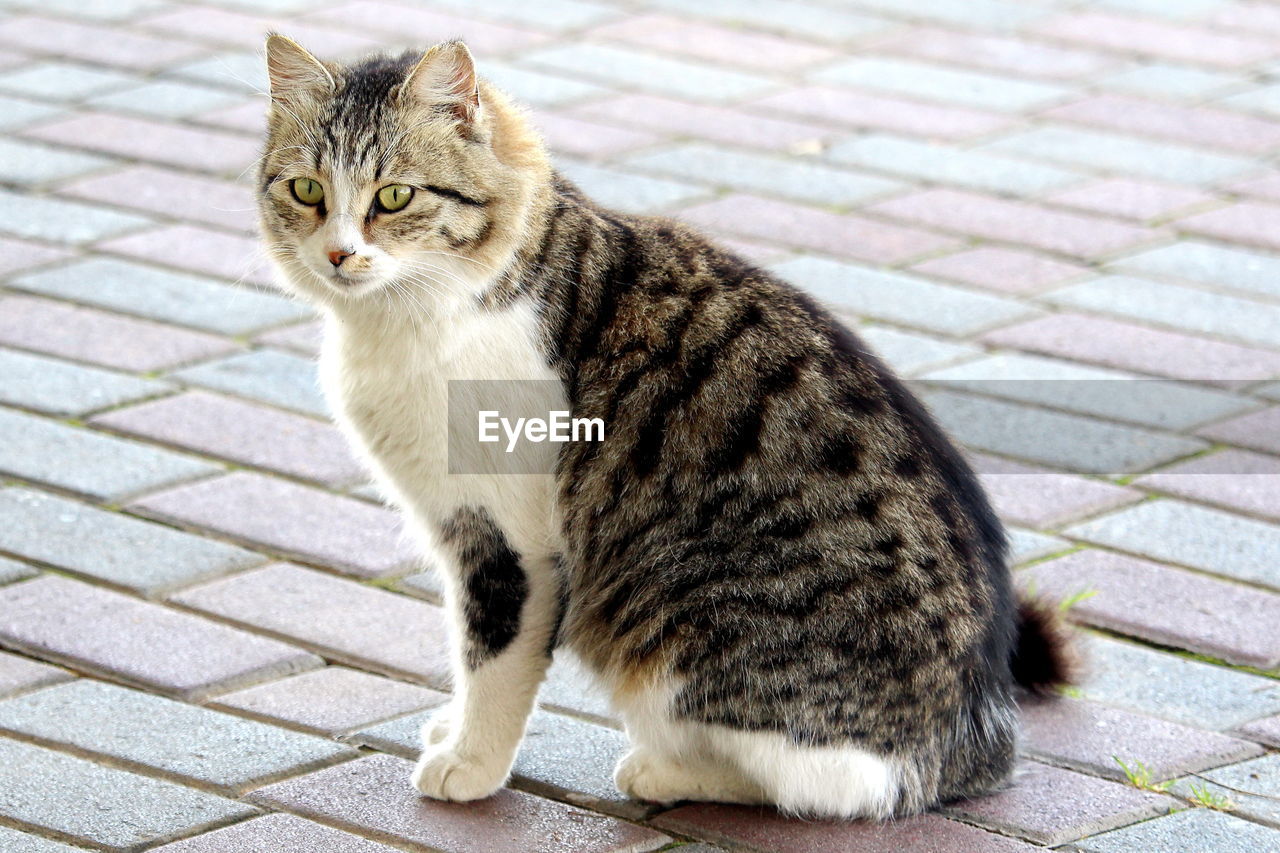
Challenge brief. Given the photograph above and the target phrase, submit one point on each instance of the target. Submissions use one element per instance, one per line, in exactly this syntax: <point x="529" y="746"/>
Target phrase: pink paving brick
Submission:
<point x="22" y="254"/>
<point x="242" y="432"/>
<point x="277" y="833"/>
<point x="1266" y="730"/>
<point x="877" y="112"/>
<point x="1005" y="270"/>
<point x="1250" y="17"/>
<point x="178" y="195"/>
<point x="1133" y="199"/>
<point x="1237" y="479"/>
<point x="1115" y="343"/>
<point x="1087" y="736"/>
<point x="341" y="619"/>
<point x="95" y="42"/>
<point x="309" y="524"/>
<point x="717" y="44"/>
<point x="719" y="124"/>
<point x="1126" y="35"/>
<point x="412" y="25"/>
<point x="567" y="135"/>
<point x="154" y="141"/>
<point x="1168" y="606"/>
<point x="99" y="337"/>
<point x="1249" y="222"/>
<point x="201" y="250"/>
<point x="20" y="675"/>
<point x="99" y="631"/>
<point x="249" y="117"/>
<point x="1015" y="222"/>
<point x="1037" y="498"/>
<point x="373" y="795"/>
<point x="302" y="338"/>
<point x="1018" y="56"/>
<point x="1265" y="185"/>
<point x="1258" y="430"/>
<point x="850" y="236"/>
<point x="765" y="829"/>
<point x="244" y="30"/>
<point x="1198" y="125"/>
<point x="1050" y="806"/>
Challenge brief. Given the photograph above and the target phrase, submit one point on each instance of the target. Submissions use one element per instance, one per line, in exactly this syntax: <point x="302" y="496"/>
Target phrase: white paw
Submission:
<point x="444" y="774"/>
<point x="436" y="729"/>
<point x="643" y="775"/>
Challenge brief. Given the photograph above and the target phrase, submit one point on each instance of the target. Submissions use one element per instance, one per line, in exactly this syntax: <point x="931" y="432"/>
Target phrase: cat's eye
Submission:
<point x="394" y="197"/>
<point x="307" y="191"/>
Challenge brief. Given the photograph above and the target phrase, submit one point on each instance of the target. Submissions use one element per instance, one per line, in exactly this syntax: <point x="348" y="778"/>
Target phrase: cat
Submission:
<point x="785" y="575"/>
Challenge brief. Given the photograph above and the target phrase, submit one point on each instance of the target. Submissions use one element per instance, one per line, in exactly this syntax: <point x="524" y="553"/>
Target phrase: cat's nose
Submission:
<point x="337" y="257"/>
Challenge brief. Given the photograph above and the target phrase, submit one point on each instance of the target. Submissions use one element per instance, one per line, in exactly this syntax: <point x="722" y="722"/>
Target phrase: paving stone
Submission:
<point x="1127" y="35"/>
<point x="1235" y="479"/>
<point x="554" y="15"/>
<point x="1206" y="263"/>
<point x="88" y="462"/>
<point x="1056" y="439"/>
<point x="1107" y="393"/>
<point x="803" y="19"/>
<point x="83" y="40"/>
<point x="722" y="45"/>
<point x="899" y="298"/>
<point x="303" y="338"/>
<point x="908" y="353"/>
<point x="804" y="180"/>
<point x="1172" y="687"/>
<point x="345" y="621"/>
<point x="63" y="81"/>
<point x="1266" y="730"/>
<point x="1015" y="222"/>
<point x="112" y="809"/>
<point x="109" y="546"/>
<point x="279" y="833"/>
<point x="373" y="795"/>
<point x="333" y="700"/>
<point x="245" y="433"/>
<point x="165" y="99"/>
<point x="765" y="829"/>
<point x="424" y="26"/>
<point x="1127" y="155"/>
<point x="851" y="236"/>
<point x="1250" y="222"/>
<point x="62" y="388"/>
<point x="1008" y="270"/>
<point x="1251" y="787"/>
<point x="1050" y="806"/>
<point x="162" y="295"/>
<point x="189" y="744"/>
<point x="350" y="535"/>
<point x="99" y="631"/>
<point x="1194" y="829"/>
<point x="263" y="375"/>
<point x="1260" y="430"/>
<point x="199" y="250"/>
<point x="1165" y="80"/>
<point x="939" y="83"/>
<point x="83" y="334"/>
<point x="25" y="164"/>
<point x="171" y="193"/>
<point x="993" y="52"/>
<point x="1081" y="337"/>
<point x="879" y="112"/>
<point x="1027" y="545"/>
<point x="21" y="675"/>
<point x="568" y="135"/>
<point x="622" y="66"/>
<point x="1212" y="128"/>
<point x="1190" y="535"/>
<point x="942" y="164"/>
<point x="1184" y="308"/>
<point x="12" y="570"/>
<point x="539" y="88"/>
<point x="982" y="14"/>
<point x="1131" y="199"/>
<point x="571" y="687"/>
<point x="1038" y="498"/>
<point x="24" y="255"/>
<point x="1260" y="99"/>
<point x="20" y="842"/>
<point x="243" y="72"/>
<point x="154" y="141"/>
<point x="97" y="10"/>
<point x="628" y="191"/>
<point x="57" y="221"/>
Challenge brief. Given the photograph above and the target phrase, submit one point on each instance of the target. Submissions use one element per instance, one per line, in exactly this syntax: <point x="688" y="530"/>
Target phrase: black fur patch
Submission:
<point x="493" y="583"/>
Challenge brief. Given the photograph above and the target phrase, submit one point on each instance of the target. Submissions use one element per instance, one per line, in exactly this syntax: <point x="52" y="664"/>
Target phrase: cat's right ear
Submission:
<point x="294" y="72"/>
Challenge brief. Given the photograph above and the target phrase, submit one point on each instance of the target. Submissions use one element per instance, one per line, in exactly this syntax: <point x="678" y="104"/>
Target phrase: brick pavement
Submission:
<point x="215" y="639"/>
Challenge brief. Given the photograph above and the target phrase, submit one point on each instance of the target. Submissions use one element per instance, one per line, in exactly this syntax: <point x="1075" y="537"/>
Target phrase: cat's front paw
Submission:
<point x="445" y="774"/>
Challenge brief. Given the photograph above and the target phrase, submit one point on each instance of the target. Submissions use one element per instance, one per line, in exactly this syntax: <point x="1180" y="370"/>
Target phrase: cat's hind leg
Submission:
<point x="646" y="774"/>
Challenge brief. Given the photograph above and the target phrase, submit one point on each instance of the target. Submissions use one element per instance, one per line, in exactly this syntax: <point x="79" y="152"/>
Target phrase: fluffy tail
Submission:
<point x="1044" y="654"/>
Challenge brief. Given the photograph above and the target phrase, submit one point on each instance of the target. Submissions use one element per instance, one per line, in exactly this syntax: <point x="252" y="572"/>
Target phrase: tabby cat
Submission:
<point x="784" y="574"/>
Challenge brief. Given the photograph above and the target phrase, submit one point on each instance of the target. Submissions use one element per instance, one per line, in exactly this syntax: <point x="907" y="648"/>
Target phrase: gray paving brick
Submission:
<point x="1194" y="829"/>
<point x="190" y="744"/>
<point x="167" y="99"/>
<point x="243" y="72"/>
<point x="99" y="631"/>
<point x="18" y="112"/>
<point x="1027" y="545"/>
<point x="570" y="686"/>
<point x="539" y="88"/>
<point x="806" y="180"/>
<point x="977" y="14"/>
<point x="111" y="809"/>
<point x="899" y="298"/>
<point x="1162" y="80"/>
<point x="1264" y="99"/>
<point x="909" y="353"/>
<point x="940" y="83"/>
<point x="550" y="14"/>
<point x="1172" y="687"/>
<point x="12" y="570"/>
<point x="116" y="548"/>
<point x="277" y="833"/>
<point x="278" y="378"/>
<point x="13" y="841"/>
<point x="27" y="163"/>
<point x="976" y="169"/>
<point x="1251" y="787"/>
<point x="1230" y="268"/>
<point x="163" y="295"/>
<point x="98" y="10"/>
<point x="59" y="221"/>
<point x="19" y="675"/>
<point x="88" y="462"/>
<point x="622" y="66"/>
<point x="797" y="18"/>
<point x="63" y="388"/>
<point x="628" y="191"/>
<point x="1176" y="307"/>
<point x="1124" y="154"/>
<point x="63" y="81"/>
<point x="1056" y="439"/>
<point x="1199" y="537"/>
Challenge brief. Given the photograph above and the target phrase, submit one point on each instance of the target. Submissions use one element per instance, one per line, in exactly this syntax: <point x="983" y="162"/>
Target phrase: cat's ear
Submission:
<point x="446" y="75"/>
<point x="293" y="71"/>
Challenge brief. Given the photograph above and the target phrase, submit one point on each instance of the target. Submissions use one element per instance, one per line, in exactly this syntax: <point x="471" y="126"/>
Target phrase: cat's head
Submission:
<point x="397" y="182"/>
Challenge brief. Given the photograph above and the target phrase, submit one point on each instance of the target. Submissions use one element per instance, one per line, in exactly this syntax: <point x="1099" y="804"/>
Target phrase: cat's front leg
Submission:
<point x="505" y="607"/>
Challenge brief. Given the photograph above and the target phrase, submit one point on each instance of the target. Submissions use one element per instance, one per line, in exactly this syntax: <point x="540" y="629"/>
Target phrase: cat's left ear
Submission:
<point x="446" y="76"/>
<point x="293" y="71"/>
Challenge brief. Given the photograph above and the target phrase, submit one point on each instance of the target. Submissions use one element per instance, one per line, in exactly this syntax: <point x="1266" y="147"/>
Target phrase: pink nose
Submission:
<point x="336" y="258"/>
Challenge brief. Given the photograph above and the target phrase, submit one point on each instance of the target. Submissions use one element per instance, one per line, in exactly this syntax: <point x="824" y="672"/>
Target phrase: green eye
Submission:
<point x="394" y="197"/>
<point x="307" y="191"/>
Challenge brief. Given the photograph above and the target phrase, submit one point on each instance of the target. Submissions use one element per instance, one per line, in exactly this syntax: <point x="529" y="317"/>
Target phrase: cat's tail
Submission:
<point x="1045" y="656"/>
